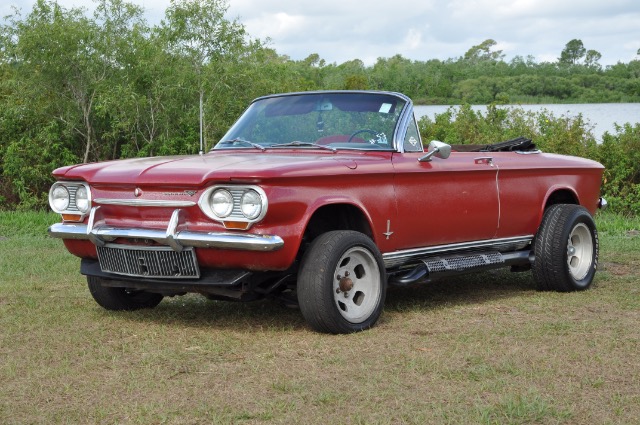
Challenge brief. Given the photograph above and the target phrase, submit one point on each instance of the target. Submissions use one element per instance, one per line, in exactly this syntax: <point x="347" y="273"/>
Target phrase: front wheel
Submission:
<point x="342" y="283"/>
<point x="565" y="249"/>
<point x="116" y="298"/>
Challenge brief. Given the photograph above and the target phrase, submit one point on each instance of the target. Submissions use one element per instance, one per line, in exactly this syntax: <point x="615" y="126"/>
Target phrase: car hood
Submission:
<point x="196" y="170"/>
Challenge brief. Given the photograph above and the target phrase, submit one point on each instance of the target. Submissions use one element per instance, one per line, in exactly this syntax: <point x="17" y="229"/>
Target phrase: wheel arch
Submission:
<point x="561" y="196"/>
<point x="558" y="195"/>
<point x="337" y="216"/>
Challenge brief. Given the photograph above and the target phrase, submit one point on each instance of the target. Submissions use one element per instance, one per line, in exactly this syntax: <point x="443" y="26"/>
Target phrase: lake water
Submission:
<point x="602" y="116"/>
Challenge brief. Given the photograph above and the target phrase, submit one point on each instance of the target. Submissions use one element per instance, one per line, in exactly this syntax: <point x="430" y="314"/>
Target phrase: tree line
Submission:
<point x="78" y="87"/>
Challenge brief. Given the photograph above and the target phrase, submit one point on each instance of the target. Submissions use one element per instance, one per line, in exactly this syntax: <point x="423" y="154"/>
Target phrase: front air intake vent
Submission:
<point x="156" y="262"/>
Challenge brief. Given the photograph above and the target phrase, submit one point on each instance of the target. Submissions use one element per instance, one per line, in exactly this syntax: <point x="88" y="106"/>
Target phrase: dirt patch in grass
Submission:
<point x="618" y="269"/>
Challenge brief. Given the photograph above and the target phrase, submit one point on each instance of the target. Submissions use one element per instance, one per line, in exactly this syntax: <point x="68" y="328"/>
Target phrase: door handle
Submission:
<point x="484" y="160"/>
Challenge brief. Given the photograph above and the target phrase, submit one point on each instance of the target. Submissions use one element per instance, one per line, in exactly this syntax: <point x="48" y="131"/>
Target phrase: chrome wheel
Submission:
<point x="579" y="251"/>
<point x="342" y="282"/>
<point x="357" y="286"/>
<point x="565" y="249"/>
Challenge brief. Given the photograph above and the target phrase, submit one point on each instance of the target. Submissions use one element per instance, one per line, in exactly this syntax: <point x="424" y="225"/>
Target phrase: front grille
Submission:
<point x="237" y="200"/>
<point x="72" y="198"/>
<point x="157" y="261"/>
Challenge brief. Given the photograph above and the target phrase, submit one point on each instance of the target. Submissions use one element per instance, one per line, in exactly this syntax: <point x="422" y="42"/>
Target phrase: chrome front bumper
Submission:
<point x="176" y="239"/>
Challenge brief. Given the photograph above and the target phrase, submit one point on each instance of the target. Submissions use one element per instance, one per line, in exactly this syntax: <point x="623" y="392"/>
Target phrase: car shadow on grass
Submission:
<point x="454" y="291"/>
<point x="195" y="311"/>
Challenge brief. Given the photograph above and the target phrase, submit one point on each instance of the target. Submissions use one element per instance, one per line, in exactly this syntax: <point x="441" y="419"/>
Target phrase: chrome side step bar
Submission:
<point x="433" y="267"/>
<point x="412" y="256"/>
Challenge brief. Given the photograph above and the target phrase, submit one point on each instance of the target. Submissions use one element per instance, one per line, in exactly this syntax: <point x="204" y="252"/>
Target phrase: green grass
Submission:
<point x="484" y="348"/>
<point x="616" y="224"/>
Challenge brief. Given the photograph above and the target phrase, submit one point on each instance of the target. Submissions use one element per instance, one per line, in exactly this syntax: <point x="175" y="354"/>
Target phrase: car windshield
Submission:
<point x="332" y="120"/>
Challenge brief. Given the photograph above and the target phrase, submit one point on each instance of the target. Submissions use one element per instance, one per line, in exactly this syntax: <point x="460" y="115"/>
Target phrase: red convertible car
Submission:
<point x="322" y="199"/>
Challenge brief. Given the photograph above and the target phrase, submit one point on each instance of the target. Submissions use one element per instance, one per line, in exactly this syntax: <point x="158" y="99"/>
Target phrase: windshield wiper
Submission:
<point x="297" y="144"/>
<point x="239" y="140"/>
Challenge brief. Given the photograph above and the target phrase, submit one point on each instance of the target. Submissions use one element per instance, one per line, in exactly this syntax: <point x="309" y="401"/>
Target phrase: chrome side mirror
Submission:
<point x="438" y="149"/>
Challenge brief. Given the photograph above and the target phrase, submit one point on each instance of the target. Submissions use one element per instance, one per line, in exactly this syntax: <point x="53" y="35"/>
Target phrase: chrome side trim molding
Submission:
<point x="144" y="203"/>
<point x="535" y="152"/>
<point x="399" y="258"/>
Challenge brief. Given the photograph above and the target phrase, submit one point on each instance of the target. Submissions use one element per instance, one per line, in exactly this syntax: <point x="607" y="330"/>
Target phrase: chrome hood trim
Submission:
<point x="144" y="203"/>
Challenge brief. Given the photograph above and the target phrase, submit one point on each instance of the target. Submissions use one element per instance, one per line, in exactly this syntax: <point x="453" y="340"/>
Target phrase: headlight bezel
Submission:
<point x="236" y="216"/>
<point x="71" y="208"/>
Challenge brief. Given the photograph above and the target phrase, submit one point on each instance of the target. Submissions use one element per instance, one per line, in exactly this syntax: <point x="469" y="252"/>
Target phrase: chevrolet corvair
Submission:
<point x="322" y="199"/>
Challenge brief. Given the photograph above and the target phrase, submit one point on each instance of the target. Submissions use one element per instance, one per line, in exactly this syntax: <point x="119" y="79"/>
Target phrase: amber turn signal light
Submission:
<point x="236" y="225"/>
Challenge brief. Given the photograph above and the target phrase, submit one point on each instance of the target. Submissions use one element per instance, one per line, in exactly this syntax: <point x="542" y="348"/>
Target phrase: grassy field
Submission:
<point x="484" y="348"/>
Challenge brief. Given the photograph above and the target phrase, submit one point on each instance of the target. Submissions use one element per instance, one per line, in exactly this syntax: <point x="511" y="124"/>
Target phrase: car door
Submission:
<point x="444" y="201"/>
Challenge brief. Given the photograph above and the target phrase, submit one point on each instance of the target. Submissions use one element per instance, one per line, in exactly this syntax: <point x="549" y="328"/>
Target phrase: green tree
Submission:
<point x="208" y="45"/>
<point x="591" y="59"/>
<point x="69" y="62"/>
<point x="483" y="52"/>
<point x="59" y="56"/>
<point x="573" y="51"/>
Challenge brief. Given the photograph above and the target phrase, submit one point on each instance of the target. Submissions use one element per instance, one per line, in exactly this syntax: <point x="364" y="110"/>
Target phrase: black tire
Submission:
<point x="565" y="249"/>
<point x="116" y="298"/>
<point x="353" y="260"/>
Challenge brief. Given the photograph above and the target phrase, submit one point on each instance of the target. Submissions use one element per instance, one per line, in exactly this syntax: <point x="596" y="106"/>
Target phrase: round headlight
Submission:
<point x="222" y="203"/>
<point x="251" y="204"/>
<point x="82" y="199"/>
<point x="59" y="198"/>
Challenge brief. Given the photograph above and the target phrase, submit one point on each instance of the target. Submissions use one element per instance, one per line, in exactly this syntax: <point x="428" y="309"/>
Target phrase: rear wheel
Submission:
<point x="566" y="249"/>
<point x="116" y="298"/>
<point x="342" y="283"/>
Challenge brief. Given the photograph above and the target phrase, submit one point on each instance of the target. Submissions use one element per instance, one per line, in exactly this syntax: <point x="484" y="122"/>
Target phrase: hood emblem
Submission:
<point x="137" y="192"/>
<point x="184" y="192"/>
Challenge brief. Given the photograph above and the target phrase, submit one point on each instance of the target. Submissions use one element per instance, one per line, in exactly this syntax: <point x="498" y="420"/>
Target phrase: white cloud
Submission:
<point x="280" y="25"/>
<point x="342" y="30"/>
<point x="413" y="39"/>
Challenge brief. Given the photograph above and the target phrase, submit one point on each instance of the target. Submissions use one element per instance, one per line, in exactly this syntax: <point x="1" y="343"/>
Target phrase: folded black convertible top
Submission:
<point x="520" y="144"/>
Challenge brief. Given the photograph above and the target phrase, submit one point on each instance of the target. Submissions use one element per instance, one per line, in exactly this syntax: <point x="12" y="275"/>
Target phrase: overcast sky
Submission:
<point x="342" y="30"/>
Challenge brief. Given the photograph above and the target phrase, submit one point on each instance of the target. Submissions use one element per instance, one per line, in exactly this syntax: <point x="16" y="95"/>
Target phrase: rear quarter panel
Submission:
<point x="527" y="181"/>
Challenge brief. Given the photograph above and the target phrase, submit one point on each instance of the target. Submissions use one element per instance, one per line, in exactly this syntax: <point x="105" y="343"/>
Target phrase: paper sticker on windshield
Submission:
<point x="385" y="108"/>
<point x="413" y="141"/>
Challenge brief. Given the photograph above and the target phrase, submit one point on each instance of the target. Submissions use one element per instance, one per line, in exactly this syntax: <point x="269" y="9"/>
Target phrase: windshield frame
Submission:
<point x="395" y="144"/>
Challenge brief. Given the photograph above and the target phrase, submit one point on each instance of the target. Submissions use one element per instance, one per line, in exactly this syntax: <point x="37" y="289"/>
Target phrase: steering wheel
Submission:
<point x="364" y="130"/>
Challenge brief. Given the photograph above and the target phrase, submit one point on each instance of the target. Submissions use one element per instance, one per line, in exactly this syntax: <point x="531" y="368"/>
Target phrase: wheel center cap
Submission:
<point x="571" y="250"/>
<point x="346" y="284"/>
